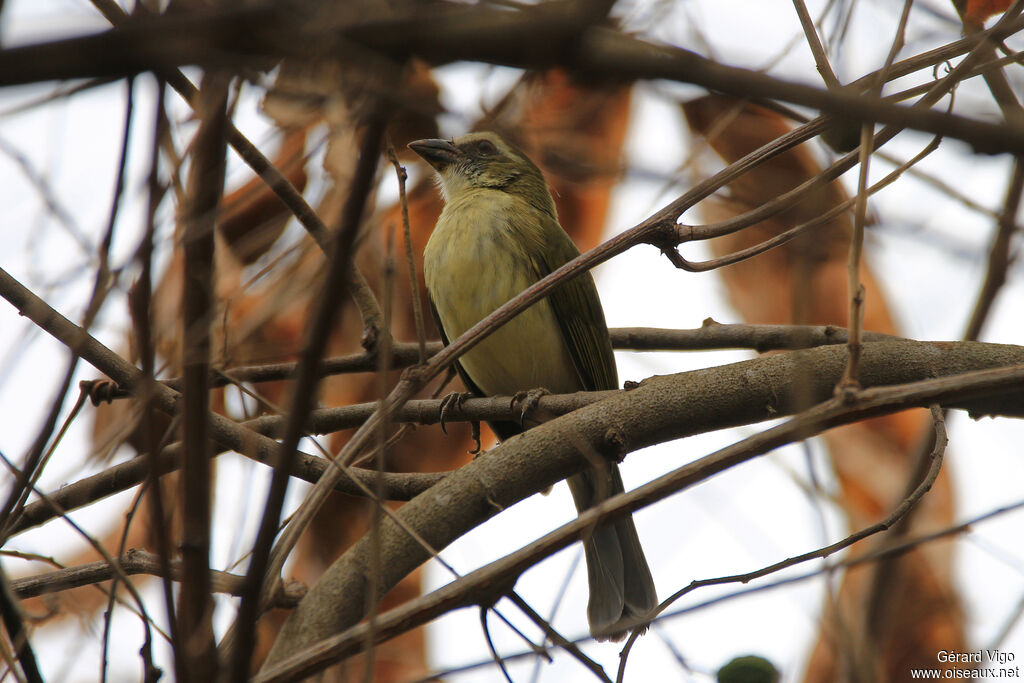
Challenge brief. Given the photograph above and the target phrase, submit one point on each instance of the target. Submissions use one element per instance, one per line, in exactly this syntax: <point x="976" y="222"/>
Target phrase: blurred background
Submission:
<point x="614" y="154"/>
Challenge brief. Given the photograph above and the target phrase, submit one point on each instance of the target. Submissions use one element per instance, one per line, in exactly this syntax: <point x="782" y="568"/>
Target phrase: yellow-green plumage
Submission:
<point x="497" y="235"/>
<point x="476" y="240"/>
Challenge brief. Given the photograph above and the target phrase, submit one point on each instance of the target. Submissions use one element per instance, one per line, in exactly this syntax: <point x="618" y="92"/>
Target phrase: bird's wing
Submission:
<point x="578" y="311"/>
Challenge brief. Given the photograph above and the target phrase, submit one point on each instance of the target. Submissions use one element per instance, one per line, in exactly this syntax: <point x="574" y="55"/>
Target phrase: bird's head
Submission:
<point x="484" y="161"/>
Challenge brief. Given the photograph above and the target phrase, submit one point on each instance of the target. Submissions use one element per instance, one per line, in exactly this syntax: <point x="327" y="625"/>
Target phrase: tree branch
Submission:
<point x="131" y="563"/>
<point x="660" y="409"/>
<point x="557" y="35"/>
<point x="205" y="187"/>
<point x="710" y="336"/>
<point x="123" y="476"/>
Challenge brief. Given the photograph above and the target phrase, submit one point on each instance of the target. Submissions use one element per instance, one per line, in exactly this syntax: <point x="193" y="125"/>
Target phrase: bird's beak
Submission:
<point x="437" y="153"/>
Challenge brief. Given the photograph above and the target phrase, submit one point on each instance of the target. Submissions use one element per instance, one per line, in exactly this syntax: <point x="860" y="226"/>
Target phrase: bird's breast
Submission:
<point x="474" y="263"/>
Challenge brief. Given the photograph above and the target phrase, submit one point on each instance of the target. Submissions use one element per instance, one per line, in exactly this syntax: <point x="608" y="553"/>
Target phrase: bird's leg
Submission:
<point x="526" y="403"/>
<point x="455" y="399"/>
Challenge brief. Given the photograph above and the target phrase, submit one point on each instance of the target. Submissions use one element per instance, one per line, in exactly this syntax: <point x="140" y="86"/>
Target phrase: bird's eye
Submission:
<point x="486" y="147"/>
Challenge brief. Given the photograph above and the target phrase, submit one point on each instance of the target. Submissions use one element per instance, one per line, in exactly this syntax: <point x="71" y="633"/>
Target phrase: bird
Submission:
<point x="497" y="234"/>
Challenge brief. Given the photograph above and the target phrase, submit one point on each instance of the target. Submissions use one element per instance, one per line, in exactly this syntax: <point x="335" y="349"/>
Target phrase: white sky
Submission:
<point x="928" y="249"/>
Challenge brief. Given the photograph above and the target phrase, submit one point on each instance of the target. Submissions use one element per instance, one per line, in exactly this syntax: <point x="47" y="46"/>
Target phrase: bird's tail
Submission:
<point x="621" y="587"/>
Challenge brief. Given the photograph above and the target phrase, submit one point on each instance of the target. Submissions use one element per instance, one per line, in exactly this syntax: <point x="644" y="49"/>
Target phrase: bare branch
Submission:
<point x="204" y="190"/>
<point x="898" y="513"/>
<point x="559" y="35"/>
<point x="659" y="409"/>
<point x="999" y="253"/>
<point x="132" y="563"/>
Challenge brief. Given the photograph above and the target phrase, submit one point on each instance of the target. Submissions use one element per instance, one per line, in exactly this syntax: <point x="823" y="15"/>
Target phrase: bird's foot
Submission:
<point x="526" y="402"/>
<point x="455" y="400"/>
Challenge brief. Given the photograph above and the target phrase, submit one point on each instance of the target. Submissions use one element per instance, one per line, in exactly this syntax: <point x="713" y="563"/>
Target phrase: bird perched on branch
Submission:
<point x="497" y="235"/>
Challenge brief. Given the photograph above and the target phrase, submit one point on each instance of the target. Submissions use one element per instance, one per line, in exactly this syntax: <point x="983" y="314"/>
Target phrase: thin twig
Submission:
<point x="891" y="551"/>
<point x="14" y="624"/>
<point x="495" y="657"/>
<point x="854" y="289"/>
<point x="37" y="455"/>
<point x="361" y="293"/>
<point x="414" y="281"/>
<point x="814" y="42"/>
<point x="711" y="336"/>
<point x="999" y="253"/>
<point x="135" y="562"/>
<point x="898" y="513"/>
<point x="64" y="217"/>
<point x="98" y="547"/>
<point x="140" y="308"/>
<point x="659" y="227"/>
<point x="108" y="613"/>
<point x="788" y="581"/>
<point x="557" y="638"/>
<point x="755" y="216"/>
<point x="998" y="84"/>
<point x="120" y="477"/>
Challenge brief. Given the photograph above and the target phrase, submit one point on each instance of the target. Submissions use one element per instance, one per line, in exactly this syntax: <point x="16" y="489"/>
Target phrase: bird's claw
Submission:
<point x="526" y="401"/>
<point x="455" y="399"/>
<point x="475" y="433"/>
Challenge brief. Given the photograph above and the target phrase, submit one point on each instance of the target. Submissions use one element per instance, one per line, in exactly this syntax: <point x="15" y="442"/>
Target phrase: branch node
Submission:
<point x="666" y="235"/>
<point x="615" y="441"/>
<point x="100" y="390"/>
<point x="848" y="391"/>
<point x="370" y="339"/>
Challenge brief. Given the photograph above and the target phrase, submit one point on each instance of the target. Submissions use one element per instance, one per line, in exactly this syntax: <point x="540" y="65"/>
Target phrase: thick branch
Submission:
<point x="660" y="409"/>
<point x="555" y="34"/>
<point x="205" y="187"/>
